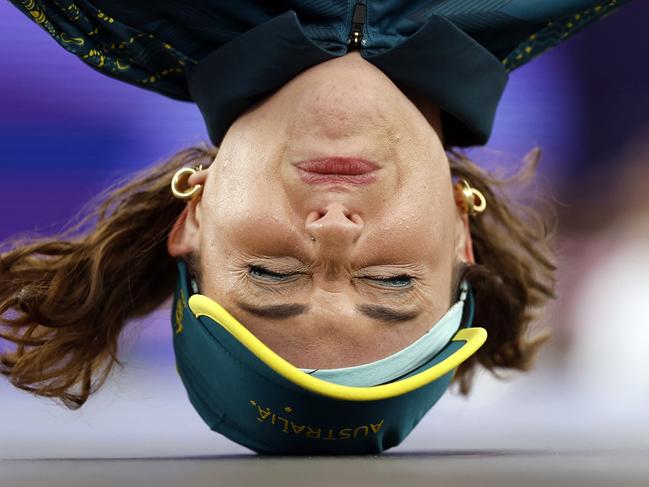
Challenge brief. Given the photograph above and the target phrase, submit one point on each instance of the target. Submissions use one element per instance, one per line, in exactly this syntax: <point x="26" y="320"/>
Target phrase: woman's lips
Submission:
<point x="337" y="170"/>
<point x="338" y="165"/>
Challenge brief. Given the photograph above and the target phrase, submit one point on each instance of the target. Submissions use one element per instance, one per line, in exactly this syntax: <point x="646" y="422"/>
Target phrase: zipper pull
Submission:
<point x="355" y="38"/>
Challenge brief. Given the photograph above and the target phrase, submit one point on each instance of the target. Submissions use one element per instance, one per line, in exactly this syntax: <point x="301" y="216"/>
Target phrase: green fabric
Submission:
<point x="154" y="45"/>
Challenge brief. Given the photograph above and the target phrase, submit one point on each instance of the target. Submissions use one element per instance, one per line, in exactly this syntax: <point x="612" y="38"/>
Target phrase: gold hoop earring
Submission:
<point x="472" y="201"/>
<point x="180" y="177"/>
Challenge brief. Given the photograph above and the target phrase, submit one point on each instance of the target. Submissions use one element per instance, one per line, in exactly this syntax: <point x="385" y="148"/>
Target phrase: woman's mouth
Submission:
<point x="337" y="170"/>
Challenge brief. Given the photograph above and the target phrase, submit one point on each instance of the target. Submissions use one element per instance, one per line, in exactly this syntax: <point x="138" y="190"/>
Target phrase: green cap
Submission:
<point x="245" y="391"/>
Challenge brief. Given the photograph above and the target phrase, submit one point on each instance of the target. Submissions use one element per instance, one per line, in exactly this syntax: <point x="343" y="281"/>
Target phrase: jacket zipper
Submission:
<point x="355" y="39"/>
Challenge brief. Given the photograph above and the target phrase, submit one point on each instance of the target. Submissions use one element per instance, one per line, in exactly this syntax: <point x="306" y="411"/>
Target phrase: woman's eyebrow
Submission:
<point x="284" y="311"/>
<point x="389" y="315"/>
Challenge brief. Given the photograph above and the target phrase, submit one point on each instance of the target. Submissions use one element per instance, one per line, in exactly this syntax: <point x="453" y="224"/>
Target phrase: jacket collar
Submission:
<point x="439" y="60"/>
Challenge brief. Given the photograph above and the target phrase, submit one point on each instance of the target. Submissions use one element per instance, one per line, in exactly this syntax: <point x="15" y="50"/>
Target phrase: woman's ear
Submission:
<point x="184" y="237"/>
<point x="464" y="247"/>
<point x="464" y="244"/>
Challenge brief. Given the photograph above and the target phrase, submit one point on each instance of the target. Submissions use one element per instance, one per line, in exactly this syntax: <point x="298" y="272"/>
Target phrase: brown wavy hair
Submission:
<point x="65" y="299"/>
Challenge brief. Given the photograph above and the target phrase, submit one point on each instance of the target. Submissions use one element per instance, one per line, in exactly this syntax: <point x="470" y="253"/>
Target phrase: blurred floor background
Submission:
<point x="585" y="104"/>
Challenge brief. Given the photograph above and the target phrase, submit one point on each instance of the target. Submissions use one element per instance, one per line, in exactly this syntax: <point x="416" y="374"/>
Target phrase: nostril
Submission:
<point x="355" y="219"/>
<point x="314" y="216"/>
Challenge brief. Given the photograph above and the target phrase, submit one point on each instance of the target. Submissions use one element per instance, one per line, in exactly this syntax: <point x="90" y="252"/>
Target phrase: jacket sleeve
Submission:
<point x="553" y="22"/>
<point x="111" y="47"/>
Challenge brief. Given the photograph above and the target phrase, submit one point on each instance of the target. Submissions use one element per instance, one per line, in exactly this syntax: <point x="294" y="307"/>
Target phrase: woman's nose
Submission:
<point x="334" y="226"/>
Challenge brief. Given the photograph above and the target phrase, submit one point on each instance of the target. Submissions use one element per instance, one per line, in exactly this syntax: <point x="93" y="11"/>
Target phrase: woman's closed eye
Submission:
<point x="262" y="273"/>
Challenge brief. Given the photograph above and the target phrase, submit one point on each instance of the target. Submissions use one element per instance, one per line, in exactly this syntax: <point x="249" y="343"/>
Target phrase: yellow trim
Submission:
<point x="474" y="338"/>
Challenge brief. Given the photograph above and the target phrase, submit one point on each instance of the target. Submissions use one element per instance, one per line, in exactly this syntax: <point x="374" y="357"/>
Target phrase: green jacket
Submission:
<point x="225" y="55"/>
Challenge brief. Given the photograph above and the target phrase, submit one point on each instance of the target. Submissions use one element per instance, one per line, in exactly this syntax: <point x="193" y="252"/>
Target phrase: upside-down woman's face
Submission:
<point x="329" y="273"/>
